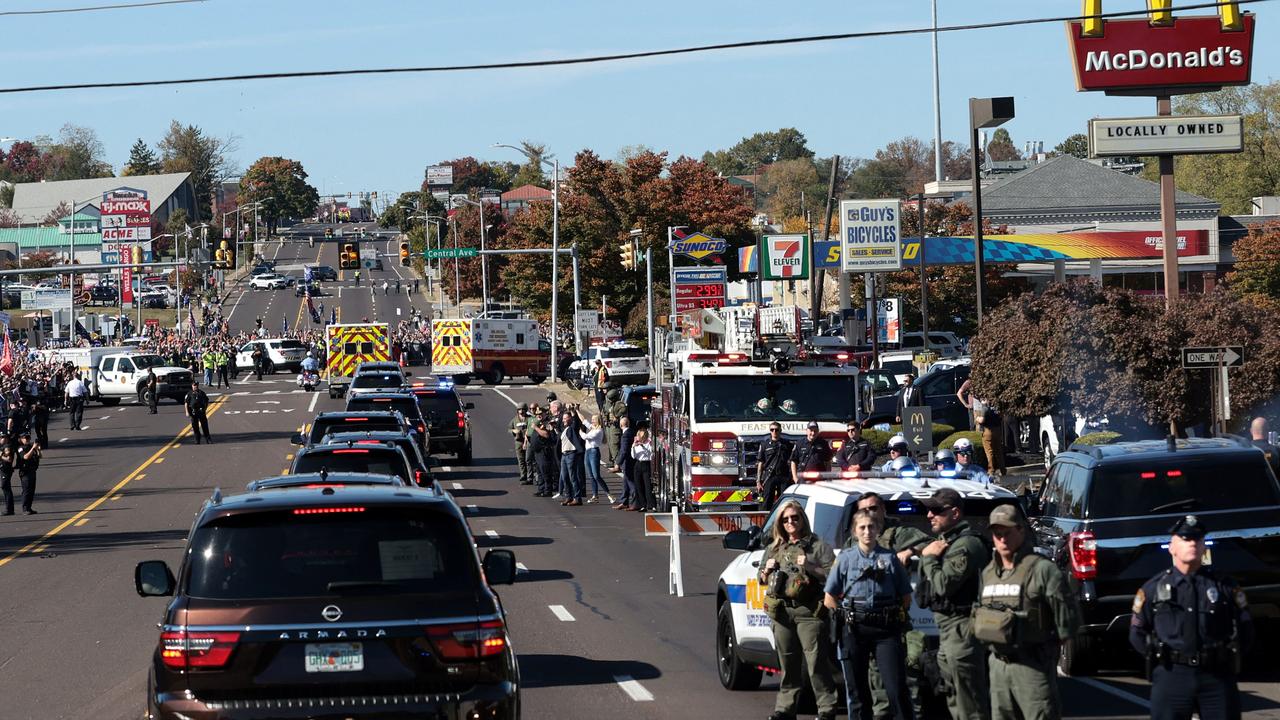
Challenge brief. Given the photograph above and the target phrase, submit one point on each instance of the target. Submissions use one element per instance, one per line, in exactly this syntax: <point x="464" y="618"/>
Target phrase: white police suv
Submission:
<point x="744" y="633"/>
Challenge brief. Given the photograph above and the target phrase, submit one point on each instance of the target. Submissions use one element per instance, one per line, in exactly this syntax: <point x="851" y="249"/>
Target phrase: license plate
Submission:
<point x="334" y="657"/>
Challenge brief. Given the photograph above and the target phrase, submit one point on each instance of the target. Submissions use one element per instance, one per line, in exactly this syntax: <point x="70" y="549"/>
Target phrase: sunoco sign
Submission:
<point x="698" y="246"/>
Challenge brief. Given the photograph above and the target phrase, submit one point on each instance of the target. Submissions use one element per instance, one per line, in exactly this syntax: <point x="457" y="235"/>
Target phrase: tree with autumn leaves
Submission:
<point x="281" y="185"/>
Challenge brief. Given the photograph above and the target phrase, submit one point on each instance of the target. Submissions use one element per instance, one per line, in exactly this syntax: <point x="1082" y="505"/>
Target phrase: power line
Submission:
<point x="594" y="59"/>
<point x="96" y="8"/>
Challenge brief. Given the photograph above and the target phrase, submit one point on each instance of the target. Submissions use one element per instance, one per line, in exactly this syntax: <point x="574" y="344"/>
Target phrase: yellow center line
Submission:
<point x="159" y="459"/>
<point x="112" y="494"/>
<point x="81" y="521"/>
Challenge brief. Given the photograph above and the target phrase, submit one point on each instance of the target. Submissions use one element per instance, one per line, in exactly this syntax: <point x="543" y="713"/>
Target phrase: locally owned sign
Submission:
<point x="1132" y="54"/>
<point x="1111" y="137"/>
<point x="698" y="288"/>
<point x="698" y="246"/>
<point x="870" y="231"/>
<point x="786" y="257"/>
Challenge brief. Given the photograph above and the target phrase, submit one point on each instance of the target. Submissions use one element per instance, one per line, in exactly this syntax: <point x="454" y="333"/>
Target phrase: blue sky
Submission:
<point x="378" y="133"/>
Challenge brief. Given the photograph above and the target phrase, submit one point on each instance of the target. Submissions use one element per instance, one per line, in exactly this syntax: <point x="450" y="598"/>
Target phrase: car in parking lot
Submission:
<point x="330" y="600"/>
<point x="1104" y="516"/>
<point x="268" y="281"/>
<point x="324" y="272"/>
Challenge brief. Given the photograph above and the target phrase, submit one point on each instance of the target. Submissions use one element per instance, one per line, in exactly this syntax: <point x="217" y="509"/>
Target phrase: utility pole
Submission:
<point x="821" y="275"/>
<point x="648" y="267"/>
<point x="924" y="274"/>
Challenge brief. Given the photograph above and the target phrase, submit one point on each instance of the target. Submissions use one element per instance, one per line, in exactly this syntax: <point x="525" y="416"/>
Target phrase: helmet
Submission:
<point x="311" y="353"/>
<point x="945" y="460"/>
<point x="763" y="404"/>
<point x="899" y="443"/>
<point x="613" y="394"/>
<point x="962" y="445"/>
<point x="903" y="463"/>
<point x="789" y="407"/>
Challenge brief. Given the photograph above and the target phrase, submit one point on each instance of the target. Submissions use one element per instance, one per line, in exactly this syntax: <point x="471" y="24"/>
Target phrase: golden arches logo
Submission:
<point x="1160" y="13"/>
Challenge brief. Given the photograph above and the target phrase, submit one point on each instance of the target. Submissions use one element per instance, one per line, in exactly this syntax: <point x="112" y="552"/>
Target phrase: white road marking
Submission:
<point x="63" y="439"/>
<point x="472" y="509"/>
<point x="508" y="397"/>
<point x="312" y="408"/>
<point x="105" y="417"/>
<point x="268" y="402"/>
<point x="446" y="468"/>
<point x="520" y="568"/>
<point x="1108" y="689"/>
<point x="632" y="688"/>
<point x="84" y="427"/>
<point x="561" y="613"/>
<point x="456" y="486"/>
<point x="491" y="533"/>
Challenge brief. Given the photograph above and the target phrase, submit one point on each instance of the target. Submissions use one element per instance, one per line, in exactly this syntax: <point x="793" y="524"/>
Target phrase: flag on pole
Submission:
<point x="284" y="320"/>
<point x="312" y="311"/>
<point x="333" y="316"/>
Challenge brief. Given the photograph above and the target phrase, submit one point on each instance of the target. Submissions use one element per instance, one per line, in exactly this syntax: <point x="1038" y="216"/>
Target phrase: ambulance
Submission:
<point x="350" y="344"/>
<point x="491" y="349"/>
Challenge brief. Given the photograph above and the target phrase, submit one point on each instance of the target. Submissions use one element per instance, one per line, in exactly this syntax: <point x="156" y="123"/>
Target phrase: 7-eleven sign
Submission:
<point x="784" y="257"/>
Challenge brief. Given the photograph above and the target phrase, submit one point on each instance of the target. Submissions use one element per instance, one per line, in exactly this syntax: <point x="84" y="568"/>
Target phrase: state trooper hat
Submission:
<point x="1004" y="516"/>
<point x="1188" y="528"/>
<point x="551" y="396"/>
<point x="813" y="426"/>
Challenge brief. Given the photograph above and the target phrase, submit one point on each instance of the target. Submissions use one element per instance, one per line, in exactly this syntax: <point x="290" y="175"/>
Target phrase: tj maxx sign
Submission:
<point x="1154" y="55"/>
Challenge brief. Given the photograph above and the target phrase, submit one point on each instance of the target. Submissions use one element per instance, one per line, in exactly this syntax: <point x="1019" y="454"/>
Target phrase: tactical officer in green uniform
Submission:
<point x="795" y="569"/>
<point x="905" y="542"/>
<point x="949" y="575"/>
<point x="519" y="429"/>
<point x="613" y="432"/>
<point x="1024" y="611"/>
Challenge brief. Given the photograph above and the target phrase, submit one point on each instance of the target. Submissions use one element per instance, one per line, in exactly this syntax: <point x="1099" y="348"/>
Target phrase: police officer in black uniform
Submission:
<point x="773" y="466"/>
<point x="197" y="403"/>
<point x="1193" y="626"/>
<point x="856" y="452"/>
<point x="813" y="453"/>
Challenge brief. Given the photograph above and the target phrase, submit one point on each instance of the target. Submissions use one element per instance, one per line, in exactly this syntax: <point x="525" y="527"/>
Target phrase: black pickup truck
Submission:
<point x="1104" y="516"/>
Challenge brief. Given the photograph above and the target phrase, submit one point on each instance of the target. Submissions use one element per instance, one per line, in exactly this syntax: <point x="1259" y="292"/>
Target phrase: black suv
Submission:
<point x="422" y="476"/>
<point x="324" y="272"/>
<point x="447" y="419"/>
<point x="1104" y="515"/>
<point x="329" y="422"/>
<point x="379" y="458"/>
<point x="105" y="294"/>
<point x="403" y="403"/>
<point x="332" y="601"/>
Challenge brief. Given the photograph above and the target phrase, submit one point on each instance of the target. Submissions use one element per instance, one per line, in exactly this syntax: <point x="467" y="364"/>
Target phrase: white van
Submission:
<point x="944" y="343"/>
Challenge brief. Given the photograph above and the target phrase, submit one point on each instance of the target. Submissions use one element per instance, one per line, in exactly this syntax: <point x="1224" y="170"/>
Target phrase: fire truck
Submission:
<point x="710" y="417"/>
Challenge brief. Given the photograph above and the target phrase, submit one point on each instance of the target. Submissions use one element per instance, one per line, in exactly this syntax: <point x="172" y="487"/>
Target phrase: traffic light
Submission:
<point x="404" y="253"/>
<point x="628" y="252"/>
<point x="349" y="257"/>
<point x="328" y="232"/>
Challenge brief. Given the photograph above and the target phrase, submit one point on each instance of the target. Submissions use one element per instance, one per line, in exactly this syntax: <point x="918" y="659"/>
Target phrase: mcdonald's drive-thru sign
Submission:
<point x="1161" y="54"/>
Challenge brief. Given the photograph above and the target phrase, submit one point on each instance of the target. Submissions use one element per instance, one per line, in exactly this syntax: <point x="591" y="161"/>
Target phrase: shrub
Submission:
<point x="1099" y="438"/>
<point x="879" y="439"/>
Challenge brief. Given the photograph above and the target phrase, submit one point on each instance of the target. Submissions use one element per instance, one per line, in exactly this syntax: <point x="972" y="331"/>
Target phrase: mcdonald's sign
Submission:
<point x="1161" y="54"/>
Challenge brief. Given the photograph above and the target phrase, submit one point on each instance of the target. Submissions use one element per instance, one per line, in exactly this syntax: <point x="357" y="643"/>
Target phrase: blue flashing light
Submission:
<point x="909" y="473"/>
<point x="906" y="508"/>
<point x="947" y="473"/>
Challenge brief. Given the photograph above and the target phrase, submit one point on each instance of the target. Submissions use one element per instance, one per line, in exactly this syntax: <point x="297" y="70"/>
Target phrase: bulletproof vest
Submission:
<point x="799" y="586"/>
<point x="1009" y="594"/>
<point x="961" y="601"/>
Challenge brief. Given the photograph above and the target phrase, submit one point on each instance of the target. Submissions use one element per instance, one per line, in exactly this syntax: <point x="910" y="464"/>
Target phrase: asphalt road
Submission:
<point x="590" y="617"/>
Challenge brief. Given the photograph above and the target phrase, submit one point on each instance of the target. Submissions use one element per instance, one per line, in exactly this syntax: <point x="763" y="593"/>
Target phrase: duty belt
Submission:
<point x="1209" y="657"/>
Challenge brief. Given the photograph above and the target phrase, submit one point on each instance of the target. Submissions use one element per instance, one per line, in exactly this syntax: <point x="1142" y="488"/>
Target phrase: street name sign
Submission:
<point x="1203" y="358"/>
<point x="450" y="253"/>
<point x="1190" y="135"/>
<point x="917" y="428"/>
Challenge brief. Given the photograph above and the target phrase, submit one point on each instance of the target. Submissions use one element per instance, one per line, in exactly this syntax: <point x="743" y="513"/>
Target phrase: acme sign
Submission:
<point x="1132" y="56"/>
<point x="1112" y="137"/>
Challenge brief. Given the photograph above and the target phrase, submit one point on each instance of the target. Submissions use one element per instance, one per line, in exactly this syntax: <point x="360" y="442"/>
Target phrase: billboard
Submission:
<point x="46" y="299"/>
<point x="869" y="232"/>
<point x="1129" y="55"/>
<point x="786" y="257"/>
<point x="697" y="246"/>
<point x="698" y="288"/>
<point x="439" y="175"/>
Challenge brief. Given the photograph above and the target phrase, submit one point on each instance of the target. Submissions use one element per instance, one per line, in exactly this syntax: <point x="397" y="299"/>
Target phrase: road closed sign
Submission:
<point x="869" y="232"/>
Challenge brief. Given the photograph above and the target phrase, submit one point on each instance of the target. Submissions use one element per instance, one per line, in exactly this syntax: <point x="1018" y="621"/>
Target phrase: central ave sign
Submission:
<point x="1133" y="55"/>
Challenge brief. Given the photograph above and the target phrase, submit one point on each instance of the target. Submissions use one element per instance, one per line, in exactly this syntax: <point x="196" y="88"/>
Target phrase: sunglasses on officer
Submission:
<point x="790" y="519"/>
<point x="775" y="430"/>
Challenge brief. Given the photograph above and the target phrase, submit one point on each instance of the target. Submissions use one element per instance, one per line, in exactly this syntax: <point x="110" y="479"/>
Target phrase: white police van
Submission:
<point x="744" y="633"/>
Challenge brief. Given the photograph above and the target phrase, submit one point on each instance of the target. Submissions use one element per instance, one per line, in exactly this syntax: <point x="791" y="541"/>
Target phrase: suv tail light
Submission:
<point x="468" y="641"/>
<point x="1083" y="547"/>
<point x="417" y="477"/>
<point x="462" y="420"/>
<point x="183" y="649"/>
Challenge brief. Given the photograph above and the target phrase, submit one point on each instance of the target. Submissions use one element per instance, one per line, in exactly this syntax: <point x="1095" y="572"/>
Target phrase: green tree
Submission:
<point x="6" y="196"/>
<point x="280" y="184"/>
<point x="532" y="172"/>
<point x="1076" y="145"/>
<point x="763" y="148"/>
<point x="1233" y="179"/>
<point x="786" y="183"/>
<point x="77" y="154"/>
<point x="175" y="226"/>
<point x="1257" y="266"/>
<point x="186" y="148"/>
<point x="1001" y="147"/>
<point x="142" y="160"/>
<point x="902" y="167"/>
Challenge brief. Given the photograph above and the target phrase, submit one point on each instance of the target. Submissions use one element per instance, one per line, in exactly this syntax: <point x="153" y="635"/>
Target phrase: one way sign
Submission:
<point x="1203" y="358"/>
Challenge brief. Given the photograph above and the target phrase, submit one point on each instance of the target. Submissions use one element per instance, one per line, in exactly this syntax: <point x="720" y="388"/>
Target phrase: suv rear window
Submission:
<point x="378" y="380"/>
<point x="381" y="461"/>
<point x="407" y="405"/>
<point x="1182" y="484"/>
<point x="292" y="345"/>
<point x="324" y="426"/>
<point x="624" y="353"/>
<point x="441" y="402"/>
<point x="281" y="554"/>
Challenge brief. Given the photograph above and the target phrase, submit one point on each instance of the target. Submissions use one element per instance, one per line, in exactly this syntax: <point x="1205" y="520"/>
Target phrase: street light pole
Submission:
<point x="983" y="113"/>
